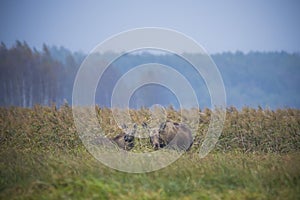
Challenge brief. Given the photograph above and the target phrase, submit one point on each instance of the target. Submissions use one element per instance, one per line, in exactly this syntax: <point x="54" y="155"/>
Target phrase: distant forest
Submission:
<point x="29" y="77"/>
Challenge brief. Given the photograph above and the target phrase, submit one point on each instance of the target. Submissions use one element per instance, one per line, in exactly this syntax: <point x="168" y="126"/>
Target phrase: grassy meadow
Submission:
<point x="256" y="157"/>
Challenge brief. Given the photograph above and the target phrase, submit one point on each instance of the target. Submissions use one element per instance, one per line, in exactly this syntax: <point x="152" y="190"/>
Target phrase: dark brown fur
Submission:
<point x="125" y="140"/>
<point x="173" y="136"/>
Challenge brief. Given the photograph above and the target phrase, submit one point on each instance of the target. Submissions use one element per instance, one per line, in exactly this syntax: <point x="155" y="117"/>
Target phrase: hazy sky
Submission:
<point x="263" y="25"/>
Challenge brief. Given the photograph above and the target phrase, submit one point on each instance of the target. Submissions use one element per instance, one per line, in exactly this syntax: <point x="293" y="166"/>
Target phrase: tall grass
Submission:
<point x="248" y="130"/>
<point x="257" y="157"/>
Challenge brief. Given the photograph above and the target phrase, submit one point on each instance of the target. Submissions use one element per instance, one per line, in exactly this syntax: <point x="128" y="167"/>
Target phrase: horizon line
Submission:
<point x="40" y="49"/>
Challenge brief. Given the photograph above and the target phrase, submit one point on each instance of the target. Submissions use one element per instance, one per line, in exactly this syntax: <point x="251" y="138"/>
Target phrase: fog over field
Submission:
<point x="267" y="79"/>
<point x="254" y="44"/>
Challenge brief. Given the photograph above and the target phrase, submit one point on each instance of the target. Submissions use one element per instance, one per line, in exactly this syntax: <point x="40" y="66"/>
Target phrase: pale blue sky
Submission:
<point x="256" y="25"/>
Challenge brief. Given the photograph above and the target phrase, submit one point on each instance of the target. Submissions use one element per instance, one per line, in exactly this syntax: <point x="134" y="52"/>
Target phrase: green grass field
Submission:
<point x="257" y="157"/>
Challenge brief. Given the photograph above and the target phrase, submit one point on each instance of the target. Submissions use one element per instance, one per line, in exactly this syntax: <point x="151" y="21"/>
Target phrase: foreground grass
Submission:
<point x="217" y="176"/>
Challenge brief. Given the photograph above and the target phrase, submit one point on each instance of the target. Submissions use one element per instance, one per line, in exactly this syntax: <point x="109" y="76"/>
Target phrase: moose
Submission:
<point x="171" y="135"/>
<point x="125" y="140"/>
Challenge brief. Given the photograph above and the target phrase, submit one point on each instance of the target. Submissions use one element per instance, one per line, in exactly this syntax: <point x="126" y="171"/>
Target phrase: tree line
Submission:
<point x="29" y="76"/>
